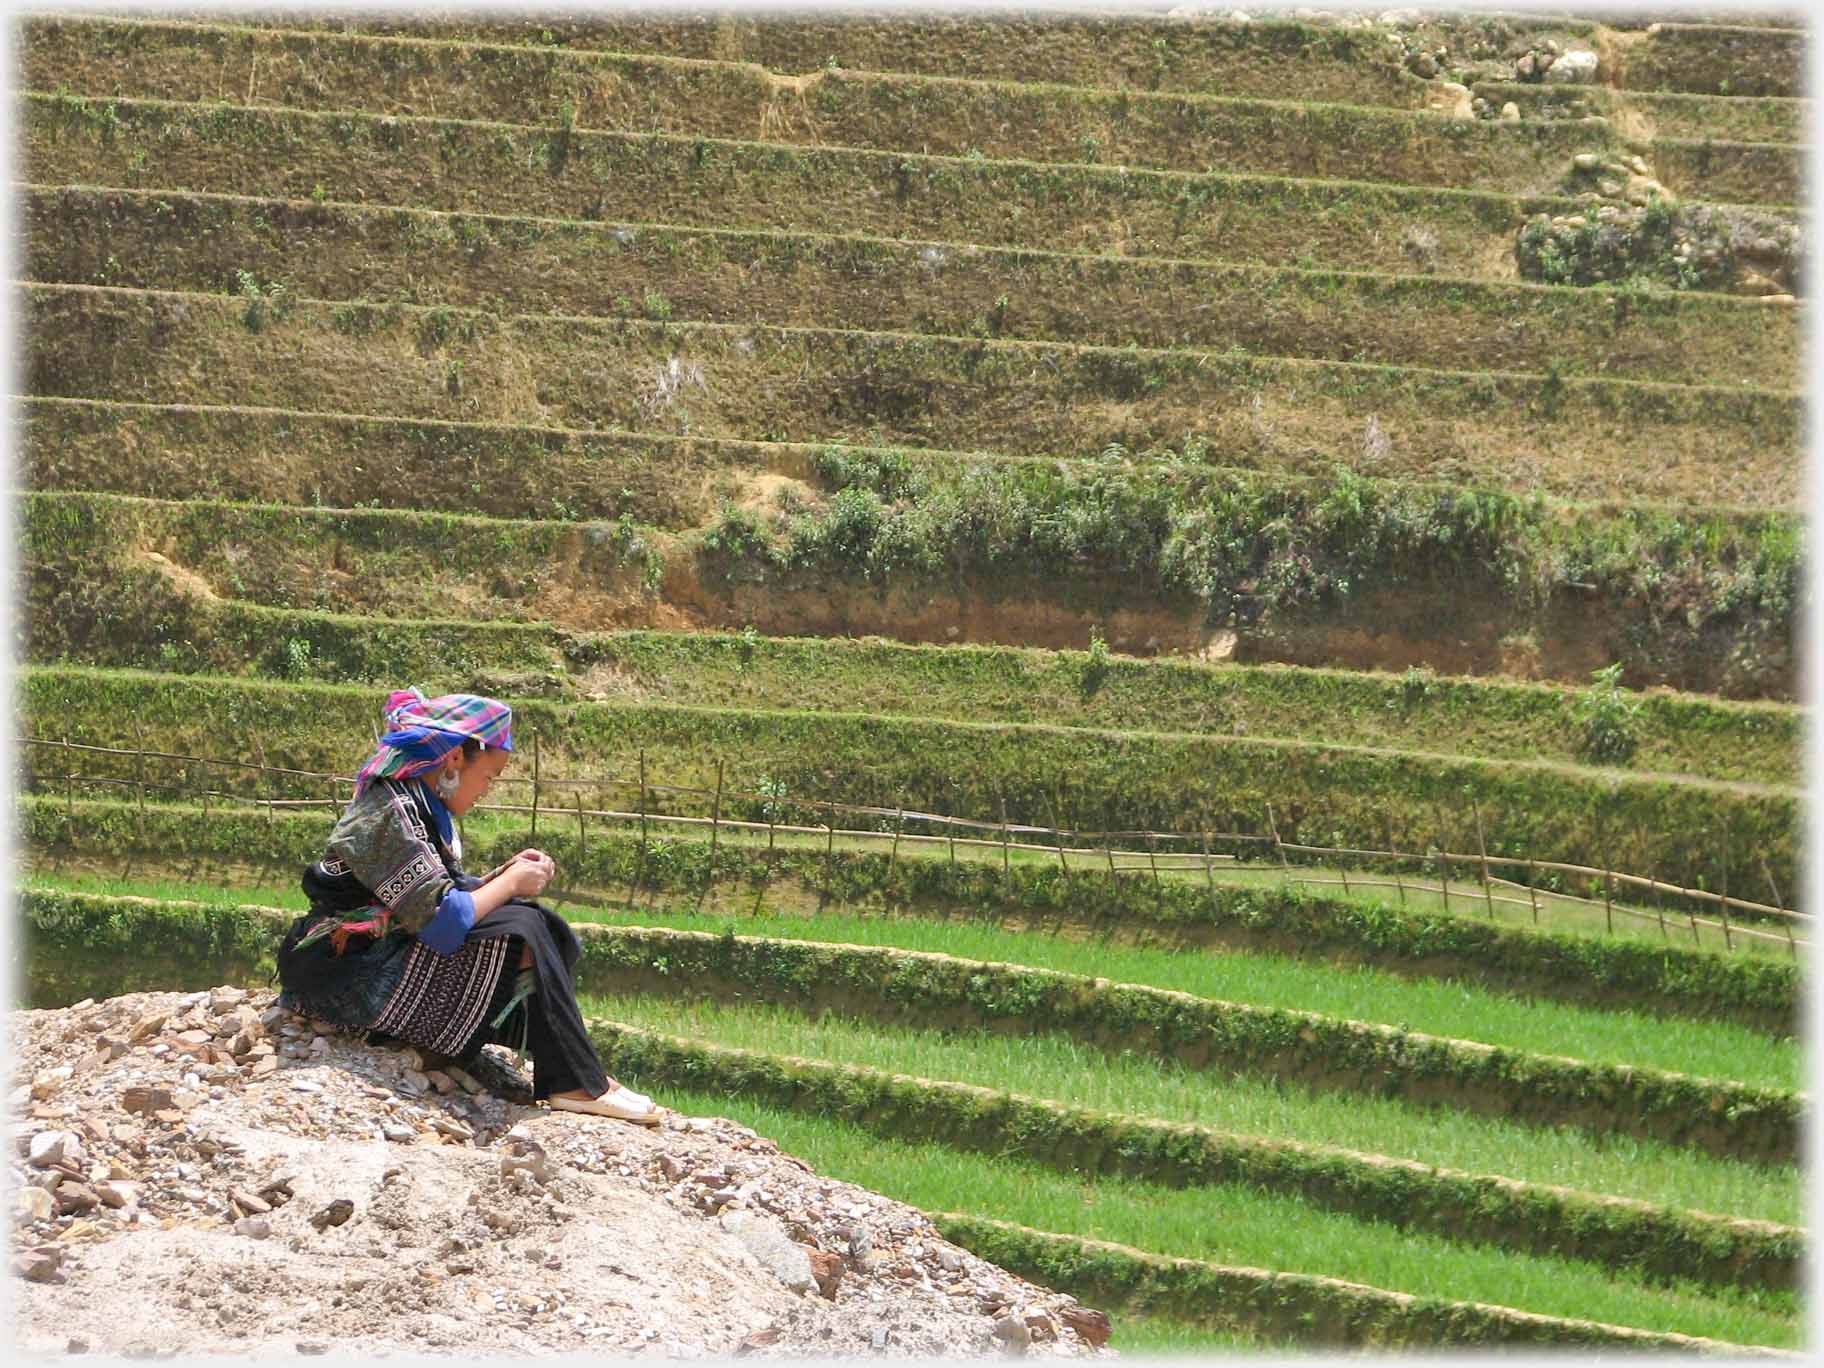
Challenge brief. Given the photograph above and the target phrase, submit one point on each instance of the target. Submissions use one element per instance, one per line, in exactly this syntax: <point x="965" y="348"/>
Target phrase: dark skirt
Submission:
<point x="396" y="985"/>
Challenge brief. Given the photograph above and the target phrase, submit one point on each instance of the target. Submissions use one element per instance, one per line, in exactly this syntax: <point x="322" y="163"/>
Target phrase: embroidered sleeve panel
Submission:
<point x="385" y="845"/>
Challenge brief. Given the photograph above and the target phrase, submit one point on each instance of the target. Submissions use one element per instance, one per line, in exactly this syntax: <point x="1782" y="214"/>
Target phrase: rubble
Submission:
<point x="234" y="1178"/>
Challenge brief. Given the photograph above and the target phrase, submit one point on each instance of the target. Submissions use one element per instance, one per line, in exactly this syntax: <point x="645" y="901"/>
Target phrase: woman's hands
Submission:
<point x="523" y="876"/>
<point x="530" y="871"/>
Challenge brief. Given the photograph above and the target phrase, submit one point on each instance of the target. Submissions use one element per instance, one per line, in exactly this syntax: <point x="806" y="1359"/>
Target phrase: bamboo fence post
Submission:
<point x="582" y="831"/>
<point x="829" y="855"/>
<point x="1113" y="881"/>
<point x="1399" y="878"/>
<point x="1342" y="867"/>
<point x="715" y="832"/>
<point x="1608" y="880"/>
<point x="1152" y="857"/>
<point x="139" y="770"/>
<point x="1532" y="888"/>
<point x="1691" y="912"/>
<point x="1779" y="902"/>
<point x="950" y="827"/>
<point x="1659" y="906"/>
<point x="1209" y="869"/>
<point x="1006" y="854"/>
<point x="715" y="819"/>
<point x="69" y="782"/>
<point x="1057" y="831"/>
<point x="639" y="875"/>
<point x="1488" y="893"/>
<point x="899" y="821"/>
<point x="535" y="788"/>
<point x="1285" y="869"/>
<point x="1728" y="941"/>
<point x="1443" y="863"/>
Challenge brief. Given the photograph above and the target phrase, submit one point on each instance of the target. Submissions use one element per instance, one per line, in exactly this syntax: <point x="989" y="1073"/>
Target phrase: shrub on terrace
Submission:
<point x="1249" y="548"/>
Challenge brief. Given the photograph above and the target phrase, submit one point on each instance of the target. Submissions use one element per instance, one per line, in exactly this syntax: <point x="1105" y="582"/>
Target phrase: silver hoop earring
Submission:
<point x="445" y="784"/>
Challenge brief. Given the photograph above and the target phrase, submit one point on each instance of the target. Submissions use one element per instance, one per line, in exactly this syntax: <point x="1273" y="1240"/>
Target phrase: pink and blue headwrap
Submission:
<point x="423" y="731"/>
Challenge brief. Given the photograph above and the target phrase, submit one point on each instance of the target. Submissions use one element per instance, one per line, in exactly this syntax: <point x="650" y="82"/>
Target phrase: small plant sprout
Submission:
<point x="297" y="658"/>
<point x="1608" y="717"/>
<point x="1415" y="685"/>
<point x="1095" y="668"/>
<point x="262" y="306"/>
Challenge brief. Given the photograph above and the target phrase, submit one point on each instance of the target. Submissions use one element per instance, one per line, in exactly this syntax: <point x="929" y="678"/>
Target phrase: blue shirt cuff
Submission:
<point x="455" y="915"/>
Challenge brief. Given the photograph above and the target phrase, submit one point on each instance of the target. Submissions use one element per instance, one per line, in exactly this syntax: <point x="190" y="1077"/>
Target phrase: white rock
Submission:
<point x="1510" y="112"/>
<point x="117" y="1193"/>
<point x="223" y="998"/>
<point x="1451" y="100"/>
<point x="54" y="1147"/>
<point x="1577" y="67"/>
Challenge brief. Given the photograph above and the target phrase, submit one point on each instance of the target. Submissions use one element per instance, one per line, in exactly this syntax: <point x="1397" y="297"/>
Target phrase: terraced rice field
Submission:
<point x="1315" y="503"/>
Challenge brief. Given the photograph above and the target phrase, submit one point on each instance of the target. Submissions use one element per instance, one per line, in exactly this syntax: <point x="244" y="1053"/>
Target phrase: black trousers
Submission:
<point x="563" y="1058"/>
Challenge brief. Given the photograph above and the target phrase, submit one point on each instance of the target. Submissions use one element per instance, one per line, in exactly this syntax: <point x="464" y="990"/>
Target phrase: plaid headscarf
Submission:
<point x="423" y="731"/>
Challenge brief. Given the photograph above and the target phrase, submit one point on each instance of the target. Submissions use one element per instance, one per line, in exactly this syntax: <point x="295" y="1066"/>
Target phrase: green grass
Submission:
<point x="287" y="896"/>
<point x="1160" y="1336"/>
<point x="1081" y="1075"/>
<point x="1472" y="716"/>
<point x="1237" y="1226"/>
<point x="1434" y="1007"/>
<point x="1095" y="781"/>
<point x="1437" y="1007"/>
<point x="1708" y="1049"/>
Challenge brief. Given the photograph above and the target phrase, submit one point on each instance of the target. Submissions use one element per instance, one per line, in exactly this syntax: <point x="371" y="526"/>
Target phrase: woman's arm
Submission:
<point x="519" y="878"/>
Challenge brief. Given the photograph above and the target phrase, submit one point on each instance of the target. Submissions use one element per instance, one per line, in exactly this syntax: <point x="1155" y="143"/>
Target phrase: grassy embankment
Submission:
<point x="1088" y="781"/>
<point x="159" y="239"/>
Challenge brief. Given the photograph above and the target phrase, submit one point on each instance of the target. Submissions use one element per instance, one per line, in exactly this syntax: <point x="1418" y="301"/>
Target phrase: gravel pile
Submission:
<point x="206" y="1173"/>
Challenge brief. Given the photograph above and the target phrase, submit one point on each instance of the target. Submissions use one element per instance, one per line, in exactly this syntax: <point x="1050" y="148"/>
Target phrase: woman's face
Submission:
<point x="474" y="778"/>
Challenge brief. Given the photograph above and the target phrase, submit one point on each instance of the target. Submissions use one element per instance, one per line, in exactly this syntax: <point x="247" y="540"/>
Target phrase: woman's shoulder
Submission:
<point x="384" y="805"/>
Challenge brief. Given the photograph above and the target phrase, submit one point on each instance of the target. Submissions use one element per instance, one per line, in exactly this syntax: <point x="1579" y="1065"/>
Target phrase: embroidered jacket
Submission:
<point x="387" y="867"/>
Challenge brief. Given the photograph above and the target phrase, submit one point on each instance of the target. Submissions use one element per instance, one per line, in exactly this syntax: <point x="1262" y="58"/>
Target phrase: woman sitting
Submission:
<point x="400" y="942"/>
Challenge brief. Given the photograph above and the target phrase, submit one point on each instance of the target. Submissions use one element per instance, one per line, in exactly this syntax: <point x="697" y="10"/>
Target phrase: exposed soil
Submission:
<point x="327" y="1193"/>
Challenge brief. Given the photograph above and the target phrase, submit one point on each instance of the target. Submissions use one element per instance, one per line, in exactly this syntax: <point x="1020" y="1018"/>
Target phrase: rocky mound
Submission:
<point x="207" y="1172"/>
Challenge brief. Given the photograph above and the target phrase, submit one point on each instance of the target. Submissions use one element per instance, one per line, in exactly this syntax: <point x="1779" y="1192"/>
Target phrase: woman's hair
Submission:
<point x="471" y="747"/>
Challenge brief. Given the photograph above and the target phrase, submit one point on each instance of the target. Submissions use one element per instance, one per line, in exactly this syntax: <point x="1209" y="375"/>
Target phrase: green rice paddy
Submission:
<point x="1238" y="1226"/>
<point x="1432" y="1006"/>
<point x="1083" y="1076"/>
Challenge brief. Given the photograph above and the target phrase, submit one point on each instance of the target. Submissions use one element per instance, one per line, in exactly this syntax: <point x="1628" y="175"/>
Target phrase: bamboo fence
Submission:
<point x="1139" y="849"/>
